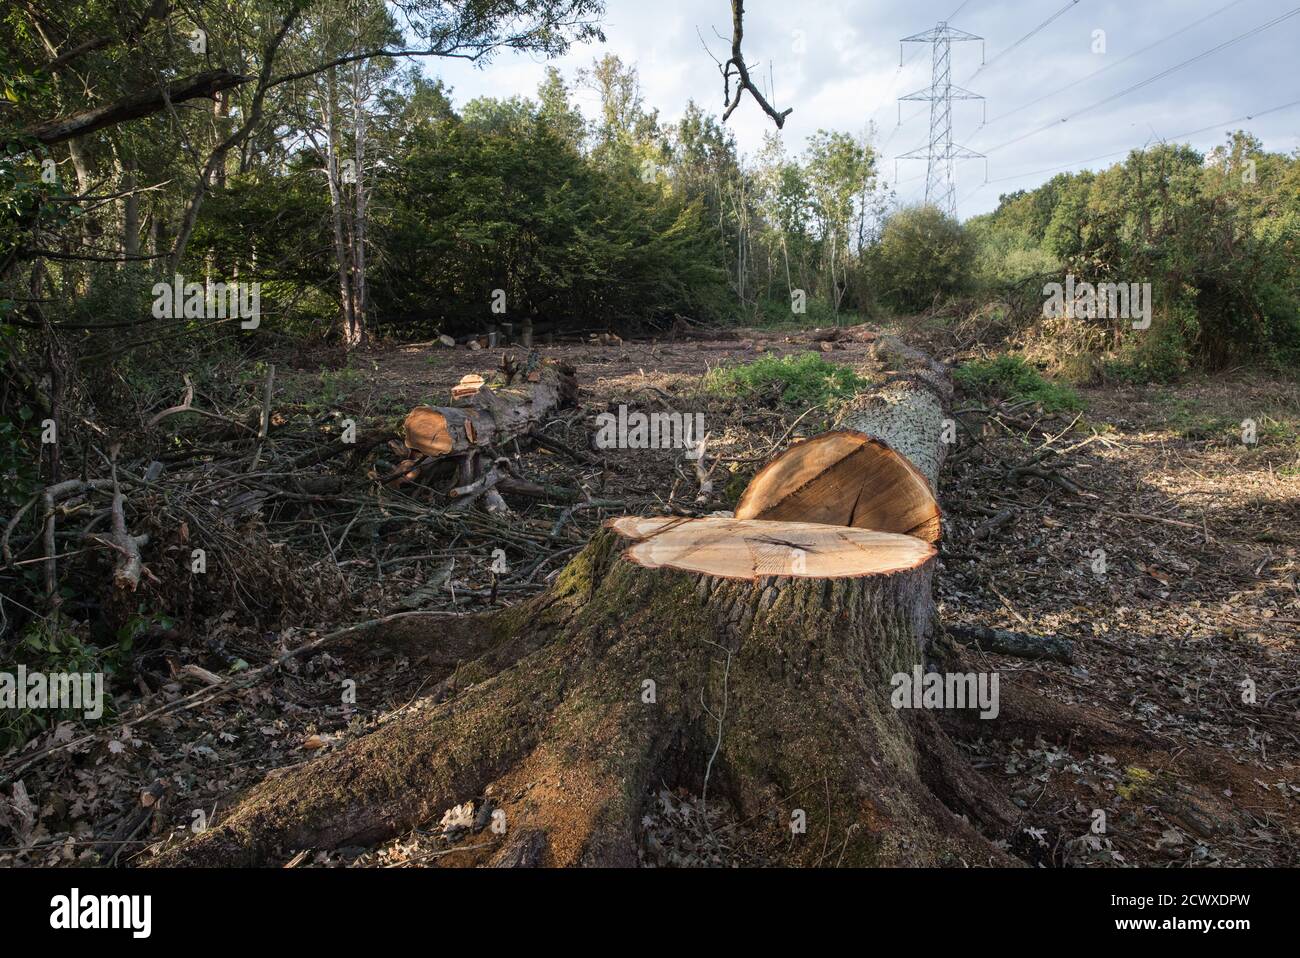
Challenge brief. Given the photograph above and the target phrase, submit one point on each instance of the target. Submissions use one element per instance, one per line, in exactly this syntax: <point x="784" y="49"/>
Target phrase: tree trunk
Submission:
<point x="130" y="210"/>
<point x="749" y="661"/>
<point x="333" y="176"/>
<point x="878" y="468"/>
<point x="359" y="230"/>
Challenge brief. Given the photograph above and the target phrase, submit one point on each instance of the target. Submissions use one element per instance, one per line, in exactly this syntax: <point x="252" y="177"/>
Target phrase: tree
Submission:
<point x="923" y="254"/>
<point x="840" y="171"/>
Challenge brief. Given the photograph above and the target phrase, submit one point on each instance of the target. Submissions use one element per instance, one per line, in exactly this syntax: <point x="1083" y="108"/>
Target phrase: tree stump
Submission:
<point x="746" y="660"/>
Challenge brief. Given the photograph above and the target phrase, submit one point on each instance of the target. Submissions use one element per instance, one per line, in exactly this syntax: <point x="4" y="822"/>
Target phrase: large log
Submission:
<point x="747" y="660"/>
<point x="489" y="416"/>
<point x="878" y="468"/>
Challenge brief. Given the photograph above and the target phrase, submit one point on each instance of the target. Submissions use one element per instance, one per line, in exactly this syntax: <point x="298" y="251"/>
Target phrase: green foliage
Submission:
<point x="1162" y="354"/>
<point x="775" y="313"/>
<point x="57" y="645"/>
<point x="503" y="199"/>
<point x="923" y="254"/>
<point x="1217" y="236"/>
<point x="1010" y="377"/>
<point x="803" y="380"/>
<point x="231" y="240"/>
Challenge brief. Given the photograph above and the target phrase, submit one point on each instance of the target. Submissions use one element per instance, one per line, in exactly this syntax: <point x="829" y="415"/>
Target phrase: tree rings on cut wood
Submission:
<point x="751" y="550"/>
<point x="844" y="478"/>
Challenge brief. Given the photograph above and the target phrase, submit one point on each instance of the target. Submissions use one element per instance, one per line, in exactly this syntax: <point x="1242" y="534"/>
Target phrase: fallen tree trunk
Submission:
<point x="487" y="416"/>
<point x="878" y="468"/>
<point x="482" y="417"/>
<point x="747" y="661"/>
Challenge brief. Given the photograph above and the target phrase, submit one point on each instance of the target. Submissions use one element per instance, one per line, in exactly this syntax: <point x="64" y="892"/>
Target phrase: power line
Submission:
<point x="893" y="85"/>
<point x="972" y="193"/>
<point x="953" y="16"/>
<point x="1178" y="136"/>
<point x="1031" y="33"/>
<point x="1106" y="156"/>
<point x="1147" y="82"/>
<point x="1111" y="66"/>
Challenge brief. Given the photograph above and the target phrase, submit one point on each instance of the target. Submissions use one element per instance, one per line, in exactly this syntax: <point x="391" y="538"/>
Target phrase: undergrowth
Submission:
<point x="803" y="380"/>
<point x="1010" y="377"/>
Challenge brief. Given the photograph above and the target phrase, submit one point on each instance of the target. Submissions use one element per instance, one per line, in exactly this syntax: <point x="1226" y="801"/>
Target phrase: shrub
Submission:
<point x="922" y="254"/>
<point x="1011" y="377"/>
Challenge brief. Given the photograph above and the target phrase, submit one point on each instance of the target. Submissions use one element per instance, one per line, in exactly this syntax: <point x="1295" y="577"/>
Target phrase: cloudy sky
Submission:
<point x="837" y="64"/>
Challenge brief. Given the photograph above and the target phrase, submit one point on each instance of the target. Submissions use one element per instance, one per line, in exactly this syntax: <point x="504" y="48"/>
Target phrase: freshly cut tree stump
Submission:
<point x="747" y="661"/>
<point x="844" y="478"/>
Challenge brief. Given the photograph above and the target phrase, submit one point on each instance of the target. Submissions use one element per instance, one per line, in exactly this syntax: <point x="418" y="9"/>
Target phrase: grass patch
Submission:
<point x="1011" y="377"/>
<point x="1191" y="419"/>
<point x="803" y="380"/>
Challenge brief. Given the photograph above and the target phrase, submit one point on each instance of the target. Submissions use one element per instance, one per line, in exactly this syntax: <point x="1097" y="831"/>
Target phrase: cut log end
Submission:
<point x="756" y="549"/>
<point x="426" y="431"/>
<point x="845" y="478"/>
<point x="484" y="416"/>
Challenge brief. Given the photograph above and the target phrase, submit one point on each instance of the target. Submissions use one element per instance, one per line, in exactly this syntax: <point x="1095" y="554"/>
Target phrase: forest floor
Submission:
<point x="1176" y="739"/>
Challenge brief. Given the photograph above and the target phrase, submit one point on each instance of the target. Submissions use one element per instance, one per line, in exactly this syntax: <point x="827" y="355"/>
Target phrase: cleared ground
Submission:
<point x="1174" y="564"/>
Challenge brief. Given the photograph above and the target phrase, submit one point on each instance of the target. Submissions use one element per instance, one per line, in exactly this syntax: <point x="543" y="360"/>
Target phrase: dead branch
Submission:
<point x="743" y="81"/>
<point x="265" y="426"/>
<point x="704" y="476"/>
<point x="1018" y="644"/>
<point x="130" y="564"/>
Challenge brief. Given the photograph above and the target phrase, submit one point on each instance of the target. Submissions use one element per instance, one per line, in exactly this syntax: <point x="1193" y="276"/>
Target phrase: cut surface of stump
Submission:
<point x="844" y="478"/>
<point x="748" y="549"/>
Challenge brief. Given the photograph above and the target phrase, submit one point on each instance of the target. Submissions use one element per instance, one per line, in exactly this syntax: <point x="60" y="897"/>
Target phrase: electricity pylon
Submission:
<point x="940" y="152"/>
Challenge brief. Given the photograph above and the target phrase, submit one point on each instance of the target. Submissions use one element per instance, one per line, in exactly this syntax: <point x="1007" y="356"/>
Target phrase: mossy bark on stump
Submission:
<point x="583" y="700"/>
